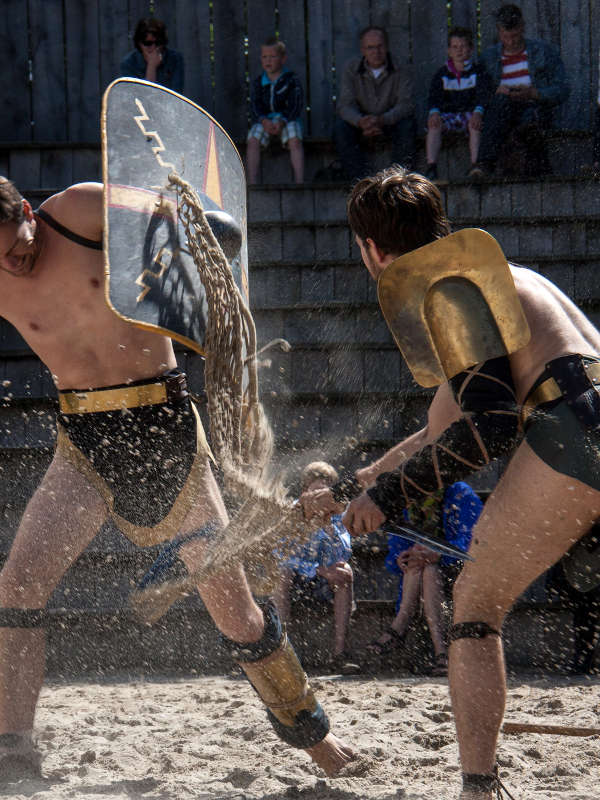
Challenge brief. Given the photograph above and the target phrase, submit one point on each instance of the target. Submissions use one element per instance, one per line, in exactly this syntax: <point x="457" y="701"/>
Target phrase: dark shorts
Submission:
<point x="147" y="463"/>
<point x="565" y="433"/>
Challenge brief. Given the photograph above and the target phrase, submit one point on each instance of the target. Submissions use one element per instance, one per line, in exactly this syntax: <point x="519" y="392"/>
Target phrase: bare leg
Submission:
<point x="62" y="517"/>
<point x="411" y="595"/>
<point x="433" y="144"/>
<point x="297" y="159"/>
<point x="433" y="601"/>
<point x="343" y="595"/>
<point x="230" y="603"/>
<point x="253" y="159"/>
<point x="282" y="594"/>
<point x="474" y="140"/>
<point x="532" y="518"/>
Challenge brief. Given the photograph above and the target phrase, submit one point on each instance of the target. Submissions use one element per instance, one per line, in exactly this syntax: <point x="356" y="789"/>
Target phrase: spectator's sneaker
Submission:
<point x="343" y="664"/>
<point x="479" y="172"/>
<point x="431" y="172"/>
<point x="19" y="757"/>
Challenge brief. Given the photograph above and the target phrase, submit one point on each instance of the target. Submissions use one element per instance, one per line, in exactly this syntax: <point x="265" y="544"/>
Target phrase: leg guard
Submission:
<point x="23" y="617"/>
<point x="471" y="630"/>
<point x="273" y="669"/>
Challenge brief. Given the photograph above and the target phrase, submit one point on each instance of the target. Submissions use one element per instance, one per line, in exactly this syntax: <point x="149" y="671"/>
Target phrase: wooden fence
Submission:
<point x="59" y="55"/>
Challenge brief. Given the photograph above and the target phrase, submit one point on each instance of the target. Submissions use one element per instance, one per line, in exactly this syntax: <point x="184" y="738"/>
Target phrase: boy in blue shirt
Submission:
<point x="320" y="568"/>
<point x="276" y="104"/>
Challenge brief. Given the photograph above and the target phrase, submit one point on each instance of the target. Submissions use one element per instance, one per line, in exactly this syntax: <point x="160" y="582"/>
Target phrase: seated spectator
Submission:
<point x="152" y="59"/>
<point x="457" y="97"/>
<point x="276" y="104"/>
<point x="375" y="102"/>
<point x="529" y="79"/>
<point x="425" y="574"/>
<point x="575" y="581"/>
<point x="319" y="570"/>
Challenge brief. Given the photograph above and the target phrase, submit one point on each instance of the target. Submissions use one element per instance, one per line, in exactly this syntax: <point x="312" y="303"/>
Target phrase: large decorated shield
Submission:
<point x="148" y="132"/>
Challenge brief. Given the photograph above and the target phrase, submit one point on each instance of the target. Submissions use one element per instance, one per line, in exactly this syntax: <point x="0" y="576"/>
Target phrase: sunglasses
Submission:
<point x="149" y="42"/>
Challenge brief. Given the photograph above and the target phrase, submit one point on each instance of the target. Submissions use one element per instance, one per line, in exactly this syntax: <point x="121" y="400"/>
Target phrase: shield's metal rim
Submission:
<point x="142" y="325"/>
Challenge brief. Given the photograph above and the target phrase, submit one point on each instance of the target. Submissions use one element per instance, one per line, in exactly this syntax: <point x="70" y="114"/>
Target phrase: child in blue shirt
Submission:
<point x="276" y="104"/>
<point x="319" y="569"/>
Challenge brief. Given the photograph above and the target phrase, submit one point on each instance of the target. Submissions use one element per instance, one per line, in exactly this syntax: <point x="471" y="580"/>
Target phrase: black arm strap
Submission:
<point x="23" y="617"/>
<point x="488" y="429"/>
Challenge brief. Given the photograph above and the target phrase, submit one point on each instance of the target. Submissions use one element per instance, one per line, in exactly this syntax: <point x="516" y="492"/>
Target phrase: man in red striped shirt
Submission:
<point x="530" y="81"/>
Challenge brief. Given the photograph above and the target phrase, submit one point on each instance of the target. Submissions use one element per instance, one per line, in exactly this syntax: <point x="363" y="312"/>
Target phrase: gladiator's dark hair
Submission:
<point x="153" y="26"/>
<point x="11" y="202"/>
<point x="461" y="33"/>
<point x="399" y="210"/>
<point x="509" y="16"/>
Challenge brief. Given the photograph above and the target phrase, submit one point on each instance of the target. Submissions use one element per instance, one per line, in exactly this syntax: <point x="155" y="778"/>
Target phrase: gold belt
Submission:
<point x="147" y="394"/>
<point x="549" y="390"/>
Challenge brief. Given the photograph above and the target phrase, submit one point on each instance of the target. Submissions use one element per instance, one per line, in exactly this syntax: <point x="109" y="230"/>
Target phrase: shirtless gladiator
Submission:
<point x="52" y="291"/>
<point x="538" y="404"/>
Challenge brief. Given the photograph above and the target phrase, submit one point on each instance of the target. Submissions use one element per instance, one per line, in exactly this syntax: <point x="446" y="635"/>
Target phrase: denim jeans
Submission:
<point x="353" y="153"/>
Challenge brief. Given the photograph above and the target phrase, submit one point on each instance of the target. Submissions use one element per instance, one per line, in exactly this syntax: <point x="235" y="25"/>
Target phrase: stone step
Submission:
<point x="562" y="198"/>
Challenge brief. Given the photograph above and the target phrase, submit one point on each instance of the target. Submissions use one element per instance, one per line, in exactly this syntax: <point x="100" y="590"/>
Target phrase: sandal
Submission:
<point x="440" y="666"/>
<point x="394" y="642"/>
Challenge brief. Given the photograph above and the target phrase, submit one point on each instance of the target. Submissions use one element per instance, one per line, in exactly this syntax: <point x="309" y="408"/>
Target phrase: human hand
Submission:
<point x="363" y="516"/>
<point x="476" y="121"/>
<point x="420" y="556"/>
<point x="434" y="122"/>
<point x="337" y="573"/>
<point x="153" y="57"/>
<point x="523" y="94"/>
<point x="269" y="126"/>
<point x="402" y="560"/>
<point x="319" y="504"/>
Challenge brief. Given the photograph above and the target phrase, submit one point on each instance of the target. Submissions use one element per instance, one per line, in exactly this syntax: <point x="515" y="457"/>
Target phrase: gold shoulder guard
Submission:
<point x="452" y="304"/>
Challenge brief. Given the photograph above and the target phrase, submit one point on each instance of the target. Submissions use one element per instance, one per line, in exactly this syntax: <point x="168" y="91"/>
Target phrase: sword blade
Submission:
<point x="432" y="542"/>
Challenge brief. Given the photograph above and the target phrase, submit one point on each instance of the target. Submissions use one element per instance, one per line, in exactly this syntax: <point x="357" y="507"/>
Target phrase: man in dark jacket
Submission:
<point x="375" y="102"/>
<point x="529" y="79"/>
<point x="276" y="104"/>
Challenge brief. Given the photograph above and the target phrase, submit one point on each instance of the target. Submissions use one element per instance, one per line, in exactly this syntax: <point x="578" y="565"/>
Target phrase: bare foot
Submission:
<point x="331" y="755"/>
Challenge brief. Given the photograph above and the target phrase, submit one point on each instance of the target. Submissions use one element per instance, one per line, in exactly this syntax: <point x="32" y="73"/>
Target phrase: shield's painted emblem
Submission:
<point x="151" y="280"/>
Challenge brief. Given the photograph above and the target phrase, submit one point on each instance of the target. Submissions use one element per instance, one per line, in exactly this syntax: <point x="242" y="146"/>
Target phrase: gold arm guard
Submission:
<point x="281" y="683"/>
<point x="452" y="304"/>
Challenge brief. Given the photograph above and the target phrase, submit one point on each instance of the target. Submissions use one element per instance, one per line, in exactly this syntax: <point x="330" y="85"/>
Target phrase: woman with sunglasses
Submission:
<point x="152" y="60"/>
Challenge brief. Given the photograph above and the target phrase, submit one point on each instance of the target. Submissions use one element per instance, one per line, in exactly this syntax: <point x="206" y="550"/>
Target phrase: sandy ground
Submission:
<point x="208" y="737"/>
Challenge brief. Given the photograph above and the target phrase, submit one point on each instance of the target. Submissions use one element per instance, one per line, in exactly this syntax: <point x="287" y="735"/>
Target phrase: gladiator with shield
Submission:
<point x="518" y="370"/>
<point x="98" y="281"/>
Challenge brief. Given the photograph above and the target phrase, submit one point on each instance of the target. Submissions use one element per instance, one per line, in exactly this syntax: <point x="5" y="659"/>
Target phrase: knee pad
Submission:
<point x="471" y="630"/>
<point x="273" y="669"/>
<point x="23" y="617"/>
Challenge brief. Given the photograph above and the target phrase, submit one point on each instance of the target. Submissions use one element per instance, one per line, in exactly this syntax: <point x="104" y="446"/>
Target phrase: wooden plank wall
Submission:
<point x="59" y="55"/>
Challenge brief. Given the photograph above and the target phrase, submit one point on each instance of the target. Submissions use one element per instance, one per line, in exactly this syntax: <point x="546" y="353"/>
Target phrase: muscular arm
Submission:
<point x="79" y="208"/>
<point x="442" y="412"/>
